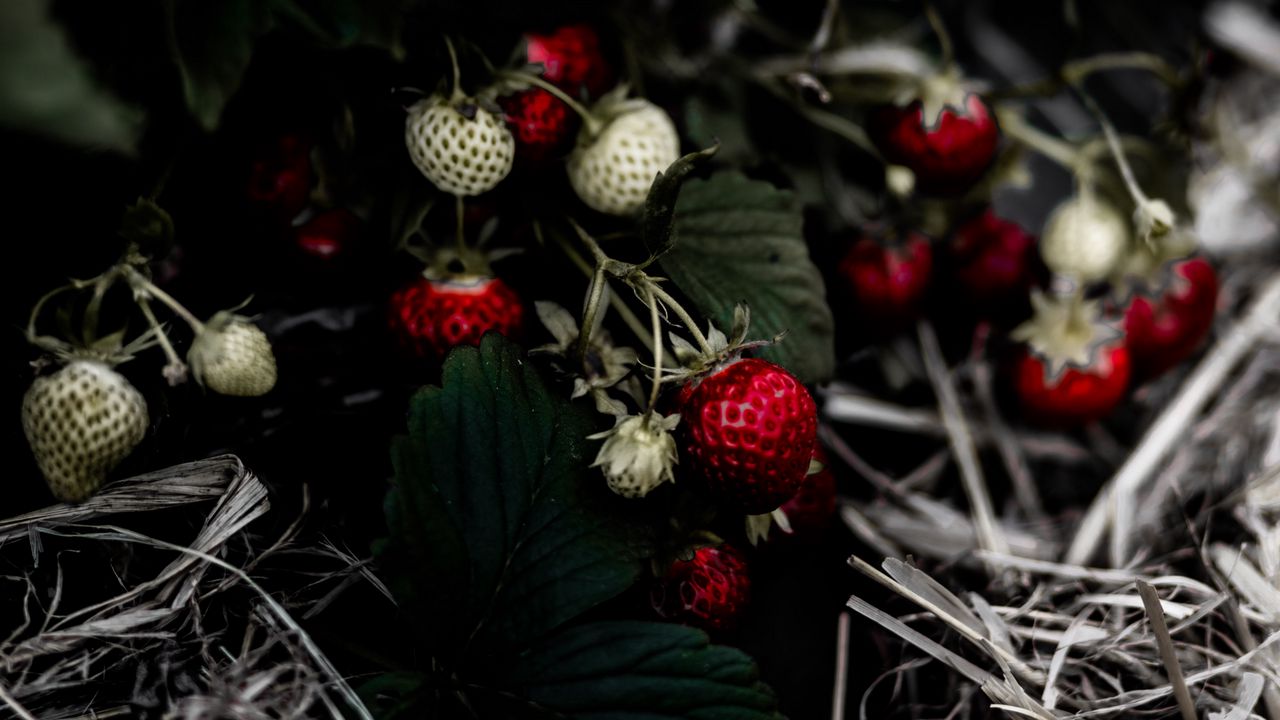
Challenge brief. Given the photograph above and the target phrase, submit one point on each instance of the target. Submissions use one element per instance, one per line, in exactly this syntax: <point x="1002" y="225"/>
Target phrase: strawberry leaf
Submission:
<point x="47" y="88"/>
<point x="499" y="531"/>
<point x="629" y="669"/>
<point x="740" y="240"/>
<point x="213" y="43"/>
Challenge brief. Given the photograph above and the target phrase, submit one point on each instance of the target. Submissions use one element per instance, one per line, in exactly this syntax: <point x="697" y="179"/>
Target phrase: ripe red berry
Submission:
<point x="810" y="510"/>
<point x="280" y="177"/>
<point x="328" y="234"/>
<point x="431" y="317"/>
<point x="993" y="261"/>
<point x="1163" y="331"/>
<point x="710" y="591"/>
<point x="543" y="126"/>
<point x="949" y="153"/>
<point x="749" y="433"/>
<point x="1076" y="395"/>
<point x="571" y="59"/>
<point x="887" y="282"/>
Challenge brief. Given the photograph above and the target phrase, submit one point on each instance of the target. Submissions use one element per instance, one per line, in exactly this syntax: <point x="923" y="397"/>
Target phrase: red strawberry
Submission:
<point x="571" y="59"/>
<point x="1075" y="368"/>
<point x="948" y="153"/>
<point x="543" y="126"/>
<point x="887" y="283"/>
<point x="433" y="316"/>
<point x="328" y="234"/>
<point x="1165" y="330"/>
<point x="749" y="433"/>
<point x="709" y="591"/>
<point x="810" y="510"/>
<point x="280" y="177"/>
<point x="994" y="260"/>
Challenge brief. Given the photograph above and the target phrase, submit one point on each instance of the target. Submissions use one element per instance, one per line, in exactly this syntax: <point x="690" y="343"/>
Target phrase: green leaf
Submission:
<point x="658" y="224"/>
<point x="630" y="670"/>
<point x="740" y="240"/>
<point x="345" y="23"/>
<point x="213" y="43"/>
<point x="46" y="88"/>
<point x="499" y="530"/>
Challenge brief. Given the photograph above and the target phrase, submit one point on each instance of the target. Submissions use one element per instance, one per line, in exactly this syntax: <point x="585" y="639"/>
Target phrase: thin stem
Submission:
<point x="597" y="252"/>
<point x="176" y="369"/>
<point x="665" y="298"/>
<point x="460" y="236"/>
<point x="35" y="310"/>
<point x="1113" y="142"/>
<point x="592" y="123"/>
<point x="457" y="71"/>
<point x="142" y="284"/>
<point x="619" y="305"/>
<point x="1057" y="150"/>
<point x="940" y="30"/>
<point x="589" y="312"/>
<point x="656" y="321"/>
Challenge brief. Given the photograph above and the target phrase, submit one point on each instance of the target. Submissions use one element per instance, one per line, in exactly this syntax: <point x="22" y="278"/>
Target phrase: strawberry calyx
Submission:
<point x="722" y="351"/>
<point x="1066" y="331"/>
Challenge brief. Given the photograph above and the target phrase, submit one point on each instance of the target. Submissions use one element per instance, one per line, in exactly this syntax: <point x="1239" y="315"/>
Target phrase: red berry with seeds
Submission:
<point x="948" y="152"/>
<point x="887" y="282"/>
<point x="1165" y="330"/>
<point x="328" y="234"/>
<point x="1075" y="367"/>
<point x="994" y="261"/>
<point x="543" y="125"/>
<point x="749" y="433"/>
<point x="571" y="59"/>
<point x="432" y="317"/>
<point x="709" y="591"/>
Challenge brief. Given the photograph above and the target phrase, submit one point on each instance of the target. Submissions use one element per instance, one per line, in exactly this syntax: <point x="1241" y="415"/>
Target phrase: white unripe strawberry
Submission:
<point x="232" y="356"/>
<point x="461" y="147"/>
<point x="81" y="421"/>
<point x="614" y="164"/>
<point x="1085" y="238"/>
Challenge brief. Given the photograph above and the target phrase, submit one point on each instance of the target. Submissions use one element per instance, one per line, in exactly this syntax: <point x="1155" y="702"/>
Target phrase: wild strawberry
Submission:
<point x="328" y="234"/>
<point x="614" y="164"/>
<point x="232" y="356"/>
<point x="887" y="282"/>
<point x="542" y="124"/>
<point x="1085" y="238"/>
<point x="638" y="453"/>
<point x="948" y="142"/>
<point x="571" y="59"/>
<point x="1075" y="368"/>
<point x="811" y="509"/>
<point x="280" y="177"/>
<point x="1163" y="331"/>
<point x="709" y="591"/>
<point x="458" y="145"/>
<point x="993" y="261"/>
<point x="432" y="316"/>
<point x="81" y="421"/>
<point x="749" y="432"/>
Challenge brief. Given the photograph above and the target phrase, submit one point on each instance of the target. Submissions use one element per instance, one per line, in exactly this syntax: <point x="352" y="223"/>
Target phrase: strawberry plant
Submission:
<point x="406" y="358"/>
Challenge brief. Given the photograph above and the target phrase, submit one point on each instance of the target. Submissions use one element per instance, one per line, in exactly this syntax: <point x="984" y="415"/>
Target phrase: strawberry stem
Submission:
<point x="459" y="236"/>
<point x="647" y="283"/>
<point x="457" y="71"/>
<point x="1057" y="150"/>
<point x="1113" y="142"/>
<point x="143" y="288"/>
<point x="940" y="30"/>
<point x="592" y="124"/>
<point x="176" y="371"/>
<point x="619" y="305"/>
<point x="656" y="321"/>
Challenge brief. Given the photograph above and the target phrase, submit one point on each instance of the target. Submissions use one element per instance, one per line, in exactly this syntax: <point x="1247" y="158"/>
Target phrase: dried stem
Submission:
<point x="990" y="536"/>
